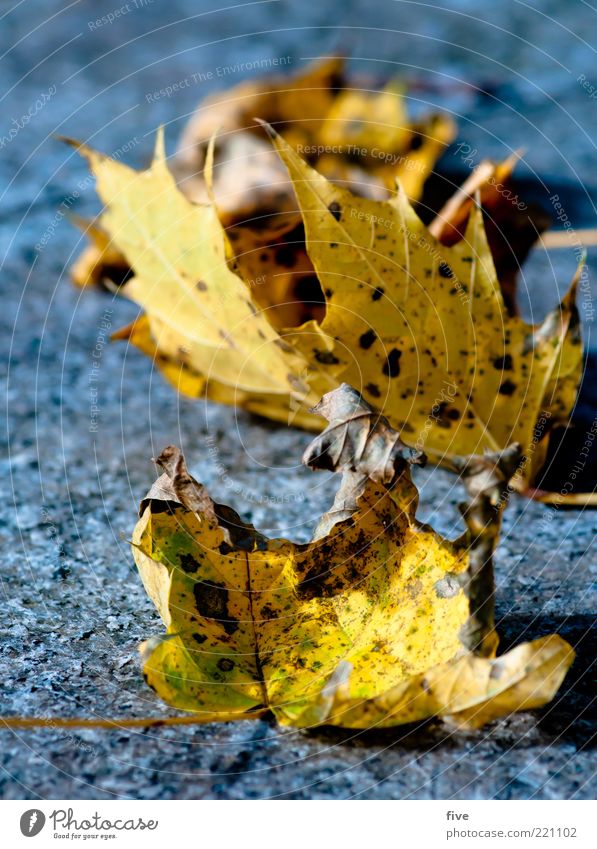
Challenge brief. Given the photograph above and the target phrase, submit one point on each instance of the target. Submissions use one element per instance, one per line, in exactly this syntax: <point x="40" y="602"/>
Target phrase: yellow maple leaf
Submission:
<point x="378" y="621"/>
<point x="421" y="327"/>
<point x="199" y="311"/>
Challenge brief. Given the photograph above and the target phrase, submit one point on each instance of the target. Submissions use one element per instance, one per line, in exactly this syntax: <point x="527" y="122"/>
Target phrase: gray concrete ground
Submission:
<point x="74" y="607"/>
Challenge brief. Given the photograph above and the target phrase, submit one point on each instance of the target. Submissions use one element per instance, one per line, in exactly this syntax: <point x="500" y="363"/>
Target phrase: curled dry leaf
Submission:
<point x="371" y="624"/>
<point x="360" y="443"/>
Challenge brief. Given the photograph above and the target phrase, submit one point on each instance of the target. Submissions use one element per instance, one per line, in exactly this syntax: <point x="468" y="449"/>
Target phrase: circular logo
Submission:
<point x="32" y="822"/>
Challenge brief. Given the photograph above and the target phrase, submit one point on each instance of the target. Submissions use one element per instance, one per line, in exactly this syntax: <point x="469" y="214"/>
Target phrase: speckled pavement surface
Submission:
<point x="74" y="610"/>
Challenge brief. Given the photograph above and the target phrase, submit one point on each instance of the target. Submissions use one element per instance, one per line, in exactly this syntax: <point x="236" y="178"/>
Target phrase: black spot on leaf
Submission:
<point x="507" y="388"/>
<point x="326" y="358"/>
<point x="188" y="563"/>
<point x="211" y="601"/>
<point x="336" y="210"/>
<point x="503" y="363"/>
<point x="367" y="339"/>
<point x="391" y="367"/>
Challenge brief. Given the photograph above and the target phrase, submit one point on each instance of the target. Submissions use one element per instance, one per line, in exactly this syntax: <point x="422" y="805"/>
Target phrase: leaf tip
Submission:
<point x="268" y="128"/>
<point x="69" y="140"/>
<point x="123" y="334"/>
<point x="208" y="168"/>
<point x="79" y="146"/>
<point x="569" y="299"/>
<point x="159" y="151"/>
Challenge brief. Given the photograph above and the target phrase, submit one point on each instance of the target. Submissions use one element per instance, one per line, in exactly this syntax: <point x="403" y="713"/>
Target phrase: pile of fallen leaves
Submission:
<point x="269" y="271"/>
<point x="279" y="259"/>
